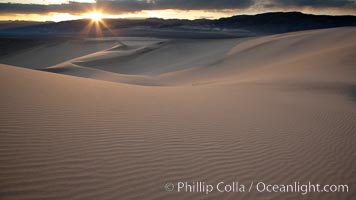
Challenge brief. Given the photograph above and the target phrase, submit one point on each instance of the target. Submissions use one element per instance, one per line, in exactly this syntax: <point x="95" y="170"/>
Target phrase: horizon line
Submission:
<point x="162" y="18"/>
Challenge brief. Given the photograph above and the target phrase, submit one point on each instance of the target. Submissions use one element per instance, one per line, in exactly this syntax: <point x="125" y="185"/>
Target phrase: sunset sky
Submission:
<point x="61" y="10"/>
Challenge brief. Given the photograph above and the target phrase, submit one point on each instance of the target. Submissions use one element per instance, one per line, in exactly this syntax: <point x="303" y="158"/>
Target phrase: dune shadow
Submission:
<point x="73" y="71"/>
<point x="352" y="93"/>
<point x="55" y="70"/>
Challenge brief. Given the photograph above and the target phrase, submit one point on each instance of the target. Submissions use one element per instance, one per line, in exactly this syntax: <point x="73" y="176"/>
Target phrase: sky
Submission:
<point x="61" y="10"/>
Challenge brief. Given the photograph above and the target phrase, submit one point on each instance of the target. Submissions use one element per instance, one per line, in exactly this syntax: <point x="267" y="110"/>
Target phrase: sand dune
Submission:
<point x="276" y="109"/>
<point x="53" y="51"/>
<point x="295" y="57"/>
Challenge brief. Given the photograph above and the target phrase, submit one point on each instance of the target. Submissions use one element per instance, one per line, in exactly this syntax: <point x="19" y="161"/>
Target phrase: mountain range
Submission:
<point x="235" y="26"/>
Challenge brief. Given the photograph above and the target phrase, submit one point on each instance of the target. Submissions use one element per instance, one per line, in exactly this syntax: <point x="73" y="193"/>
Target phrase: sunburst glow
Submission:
<point x="97" y="24"/>
<point x="95" y="16"/>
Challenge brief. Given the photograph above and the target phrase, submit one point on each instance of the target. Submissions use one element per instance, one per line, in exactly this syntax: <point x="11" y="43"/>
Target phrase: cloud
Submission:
<point x="125" y="6"/>
<point x="119" y="6"/>
<point x="71" y="7"/>
<point x="314" y="3"/>
<point x="187" y="4"/>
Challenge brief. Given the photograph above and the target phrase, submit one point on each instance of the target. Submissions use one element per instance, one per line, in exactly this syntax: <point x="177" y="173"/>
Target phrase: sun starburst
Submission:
<point x="97" y="22"/>
<point x="95" y="16"/>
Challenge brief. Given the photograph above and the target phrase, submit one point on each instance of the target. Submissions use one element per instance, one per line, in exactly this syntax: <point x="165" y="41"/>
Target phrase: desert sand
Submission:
<point x="122" y="120"/>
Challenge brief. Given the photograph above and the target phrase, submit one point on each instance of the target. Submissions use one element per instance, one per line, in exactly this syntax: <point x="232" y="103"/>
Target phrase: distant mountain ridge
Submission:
<point x="240" y="25"/>
<point x="279" y="22"/>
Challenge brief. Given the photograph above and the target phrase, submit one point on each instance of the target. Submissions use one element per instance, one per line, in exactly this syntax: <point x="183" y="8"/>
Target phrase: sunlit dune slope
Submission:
<point x="66" y="137"/>
<point x="276" y="109"/>
<point x="320" y="55"/>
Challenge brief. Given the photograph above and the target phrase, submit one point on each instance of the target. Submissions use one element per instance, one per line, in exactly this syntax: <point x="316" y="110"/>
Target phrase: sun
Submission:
<point x="95" y="16"/>
<point x="97" y="23"/>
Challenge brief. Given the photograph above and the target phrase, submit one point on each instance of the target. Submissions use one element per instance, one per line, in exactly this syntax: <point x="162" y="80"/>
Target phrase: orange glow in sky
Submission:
<point x="99" y="13"/>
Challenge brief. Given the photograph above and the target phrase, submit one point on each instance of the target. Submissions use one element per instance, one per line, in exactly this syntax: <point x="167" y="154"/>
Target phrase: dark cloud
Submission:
<point x="183" y="4"/>
<point x="71" y="7"/>
<point x="119" y="6"/>
<point x="314" y="3"/>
